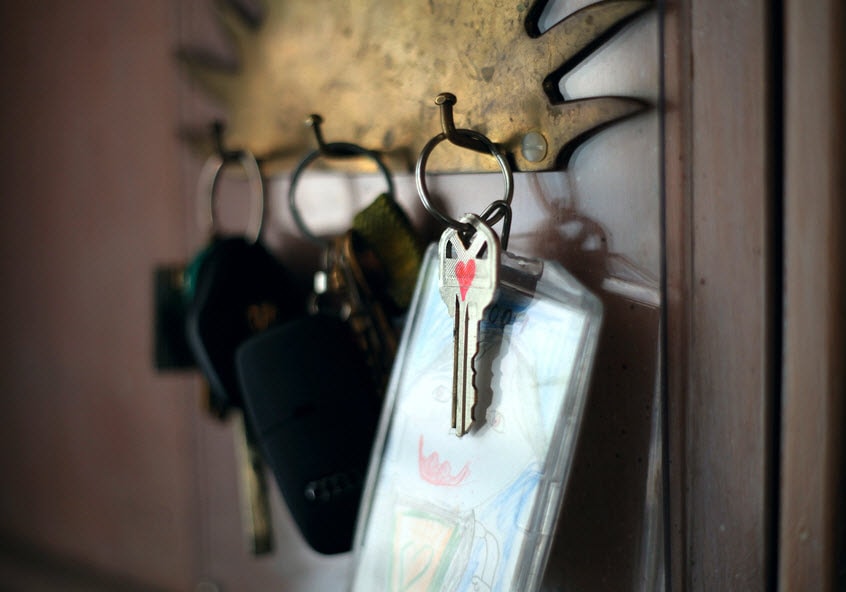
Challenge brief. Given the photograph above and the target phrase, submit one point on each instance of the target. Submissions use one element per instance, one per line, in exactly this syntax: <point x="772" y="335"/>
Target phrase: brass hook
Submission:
<point x="314" y="121"/>
<point x="329" y="150"/>
<point x="333" y="149"/>
<point x="217" y="129"/>
<point x="445" y="101"/>
<point x="494" y="213"/>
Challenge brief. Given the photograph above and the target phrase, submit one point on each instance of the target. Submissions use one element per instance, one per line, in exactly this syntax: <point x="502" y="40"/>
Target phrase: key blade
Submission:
<point x="255" y="504"/>
<point x="472" y="318"/>
<point x="461" y="376"/>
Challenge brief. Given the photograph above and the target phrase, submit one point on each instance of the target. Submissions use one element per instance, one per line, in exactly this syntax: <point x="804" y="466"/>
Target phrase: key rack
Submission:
<point x="377" y="66"/>
<point x="423" y="84"/>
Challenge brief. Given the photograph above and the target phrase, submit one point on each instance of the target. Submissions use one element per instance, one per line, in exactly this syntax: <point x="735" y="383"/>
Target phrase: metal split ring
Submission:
<point x="208" y="181"/>
<point x="490" y="216"/>
<point x="475" y="137"/>
<point x="330" y="150"/>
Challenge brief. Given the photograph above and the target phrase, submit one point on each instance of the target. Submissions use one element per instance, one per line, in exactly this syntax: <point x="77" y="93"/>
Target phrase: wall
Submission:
<point x="97" y="449"/>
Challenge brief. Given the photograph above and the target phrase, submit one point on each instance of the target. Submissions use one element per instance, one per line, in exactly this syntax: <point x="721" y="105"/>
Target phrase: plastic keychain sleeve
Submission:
<point x="442" y="513"/>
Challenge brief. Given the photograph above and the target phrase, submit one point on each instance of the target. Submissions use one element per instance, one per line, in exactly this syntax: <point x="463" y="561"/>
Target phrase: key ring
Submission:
<point x="208" y="181"/>
<point x="473" y="137"/>
<point x="489" y="217"/>
<point x="330" y="150"/>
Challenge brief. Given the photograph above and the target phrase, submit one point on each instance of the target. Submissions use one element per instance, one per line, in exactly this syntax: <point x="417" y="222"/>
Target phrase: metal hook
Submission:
<point x="217" y="137"/>
<point x="314" y="121"/>
<point x="445" y="101"/>
<point x="467" y="138"/>
<point x="329" y="150"/>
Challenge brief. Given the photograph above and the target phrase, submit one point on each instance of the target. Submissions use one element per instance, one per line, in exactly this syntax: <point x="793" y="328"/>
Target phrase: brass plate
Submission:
<point x="372" y="69"/>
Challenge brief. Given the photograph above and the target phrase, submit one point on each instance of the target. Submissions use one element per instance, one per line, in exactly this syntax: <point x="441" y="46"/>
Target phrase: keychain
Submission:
<point x="233" y="290"/>
<point x="367" y="273"/>
<point x="482" y="411"/>
<point x="313" y="387"/>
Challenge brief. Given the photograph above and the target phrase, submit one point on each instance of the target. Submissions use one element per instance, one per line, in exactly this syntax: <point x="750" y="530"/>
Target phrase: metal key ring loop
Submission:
<point x="330" y="150"/>
<point x="209" y="176"/>
<point x="423" y="191"/>
<point x="489" y="218"/>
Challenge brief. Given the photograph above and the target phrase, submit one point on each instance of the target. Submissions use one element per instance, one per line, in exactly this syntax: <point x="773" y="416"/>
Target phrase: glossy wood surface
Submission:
<point x="718" y="185"/>
<point x="812" y="438"/>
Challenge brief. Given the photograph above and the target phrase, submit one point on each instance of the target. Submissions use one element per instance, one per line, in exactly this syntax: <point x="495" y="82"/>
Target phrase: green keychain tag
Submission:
<point x="386" y="229"/>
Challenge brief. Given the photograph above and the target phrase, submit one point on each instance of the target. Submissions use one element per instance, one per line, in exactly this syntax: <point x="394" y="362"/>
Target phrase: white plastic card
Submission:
<point x="443" y="513"/>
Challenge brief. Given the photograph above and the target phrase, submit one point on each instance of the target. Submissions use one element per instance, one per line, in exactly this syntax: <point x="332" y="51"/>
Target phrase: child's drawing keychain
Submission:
<point x="473" y="452"/>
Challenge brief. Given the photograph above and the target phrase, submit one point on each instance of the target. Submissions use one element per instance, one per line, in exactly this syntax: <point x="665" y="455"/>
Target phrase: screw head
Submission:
<point x="534" y="146"/>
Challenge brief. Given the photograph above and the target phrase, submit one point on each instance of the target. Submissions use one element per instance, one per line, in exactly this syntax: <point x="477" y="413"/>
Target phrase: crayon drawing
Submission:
<point x="450" y="513"/>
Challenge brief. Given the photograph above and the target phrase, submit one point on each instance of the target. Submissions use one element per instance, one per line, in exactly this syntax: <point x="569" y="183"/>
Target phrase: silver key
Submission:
<point x="468" y="277"/>
<point x="255" y="503"/>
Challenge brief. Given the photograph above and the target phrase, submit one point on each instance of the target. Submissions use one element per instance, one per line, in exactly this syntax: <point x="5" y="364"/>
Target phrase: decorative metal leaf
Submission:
<point x="372" y="69"/>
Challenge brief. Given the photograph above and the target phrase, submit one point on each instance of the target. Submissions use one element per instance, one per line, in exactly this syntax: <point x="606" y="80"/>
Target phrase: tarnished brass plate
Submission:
<point x="372" y="68"/>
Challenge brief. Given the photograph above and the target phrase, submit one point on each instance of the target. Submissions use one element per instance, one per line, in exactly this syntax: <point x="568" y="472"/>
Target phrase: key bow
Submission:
<point x="459" y="269"/>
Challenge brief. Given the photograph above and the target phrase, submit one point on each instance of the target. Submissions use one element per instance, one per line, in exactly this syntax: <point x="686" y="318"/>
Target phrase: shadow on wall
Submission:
<point x="609" y="535"/>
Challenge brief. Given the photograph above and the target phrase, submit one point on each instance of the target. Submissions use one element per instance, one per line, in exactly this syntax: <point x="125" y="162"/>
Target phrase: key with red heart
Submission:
<point x="468" y="277"/>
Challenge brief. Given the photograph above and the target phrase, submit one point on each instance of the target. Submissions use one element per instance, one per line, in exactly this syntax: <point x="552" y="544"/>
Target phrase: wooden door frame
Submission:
<point x="812" y="444"/>
<point x="718" y="293"/>
<point x="754" y="125"/>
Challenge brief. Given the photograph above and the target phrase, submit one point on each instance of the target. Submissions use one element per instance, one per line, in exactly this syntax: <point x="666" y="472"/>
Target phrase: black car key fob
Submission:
<point x="314" y="408"/>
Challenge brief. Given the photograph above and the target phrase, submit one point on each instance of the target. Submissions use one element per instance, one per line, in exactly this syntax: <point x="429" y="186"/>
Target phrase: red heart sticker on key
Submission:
<point x="465" y="272"/>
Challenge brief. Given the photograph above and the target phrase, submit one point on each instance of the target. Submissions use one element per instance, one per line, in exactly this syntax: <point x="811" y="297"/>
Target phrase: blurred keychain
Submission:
<point x="235" y="289"/>
<point x="314" y="386"/>
<point x="367" y="274"/>
<point x="483" y="408"/>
